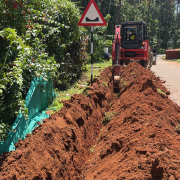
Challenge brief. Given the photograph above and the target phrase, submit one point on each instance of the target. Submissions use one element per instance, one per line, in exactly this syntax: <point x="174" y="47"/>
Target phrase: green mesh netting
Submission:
<point x="38" y="98"/>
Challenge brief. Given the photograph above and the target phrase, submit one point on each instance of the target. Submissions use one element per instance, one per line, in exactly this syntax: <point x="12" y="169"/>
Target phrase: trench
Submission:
<point x="74" y="143"/>
<point x="66" y="137"/>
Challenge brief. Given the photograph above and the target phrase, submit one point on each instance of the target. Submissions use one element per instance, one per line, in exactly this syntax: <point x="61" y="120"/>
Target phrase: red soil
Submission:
<point x="140" y="141"/>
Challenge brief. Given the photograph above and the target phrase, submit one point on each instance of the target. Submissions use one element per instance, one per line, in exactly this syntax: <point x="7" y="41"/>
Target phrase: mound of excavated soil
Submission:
<point x="60" y="146"/>
<point x="139" y="142"/>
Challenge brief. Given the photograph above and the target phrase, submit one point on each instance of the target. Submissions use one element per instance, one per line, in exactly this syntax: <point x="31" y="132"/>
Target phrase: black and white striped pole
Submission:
<point x="92" y="17"/>
<point x="91" y="54"/>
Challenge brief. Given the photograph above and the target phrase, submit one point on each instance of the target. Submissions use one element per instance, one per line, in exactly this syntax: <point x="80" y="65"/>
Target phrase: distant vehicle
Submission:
<point x="107" y="56"/>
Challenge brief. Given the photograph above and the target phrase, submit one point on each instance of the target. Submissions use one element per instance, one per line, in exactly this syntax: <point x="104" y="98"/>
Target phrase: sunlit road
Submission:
<point x="170" y="72"/>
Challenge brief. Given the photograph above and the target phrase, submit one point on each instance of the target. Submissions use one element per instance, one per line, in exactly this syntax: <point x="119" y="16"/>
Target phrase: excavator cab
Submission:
<point x="135" y="43"/>
<point x="133" y="34"/>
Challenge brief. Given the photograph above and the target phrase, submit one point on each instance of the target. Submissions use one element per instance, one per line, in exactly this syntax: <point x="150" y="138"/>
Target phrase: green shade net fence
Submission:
<point x="38" y="98"/>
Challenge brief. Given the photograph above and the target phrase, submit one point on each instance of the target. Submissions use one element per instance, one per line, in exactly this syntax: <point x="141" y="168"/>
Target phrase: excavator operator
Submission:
<point x="132" y="36"/>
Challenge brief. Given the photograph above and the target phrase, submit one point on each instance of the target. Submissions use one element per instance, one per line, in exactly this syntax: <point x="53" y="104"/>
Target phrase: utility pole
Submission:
<point x="119" y="12"/>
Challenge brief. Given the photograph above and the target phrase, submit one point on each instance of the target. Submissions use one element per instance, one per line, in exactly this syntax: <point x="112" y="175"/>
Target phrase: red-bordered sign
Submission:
<point x="92" y="16"/>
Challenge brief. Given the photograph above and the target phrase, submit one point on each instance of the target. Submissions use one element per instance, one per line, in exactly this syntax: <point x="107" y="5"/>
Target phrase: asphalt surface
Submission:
<point x="169" y="71"/>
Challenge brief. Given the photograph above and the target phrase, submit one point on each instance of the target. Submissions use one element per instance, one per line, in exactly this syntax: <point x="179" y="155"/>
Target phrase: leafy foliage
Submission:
<point x="108" y="117"/>
<point x="98" y="40"/>
<point x="37" y="39"/>
<point x="19" y="64"/>
<point x="162" y="18"/>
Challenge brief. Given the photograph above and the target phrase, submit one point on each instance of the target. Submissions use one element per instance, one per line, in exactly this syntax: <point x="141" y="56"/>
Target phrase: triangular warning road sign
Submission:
<point x="92" y="16"/>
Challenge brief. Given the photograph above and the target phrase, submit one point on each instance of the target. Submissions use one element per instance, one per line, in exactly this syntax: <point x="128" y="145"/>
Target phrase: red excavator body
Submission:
<point x="130" y="44"/>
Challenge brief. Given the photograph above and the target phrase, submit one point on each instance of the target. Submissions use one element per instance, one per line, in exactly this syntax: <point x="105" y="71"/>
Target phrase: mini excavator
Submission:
<point x="130" y="44"/>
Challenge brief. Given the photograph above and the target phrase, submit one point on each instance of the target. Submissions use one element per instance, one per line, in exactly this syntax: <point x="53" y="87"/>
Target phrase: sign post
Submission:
<point x="92" y="17"/>
<point x="91" y="54"/>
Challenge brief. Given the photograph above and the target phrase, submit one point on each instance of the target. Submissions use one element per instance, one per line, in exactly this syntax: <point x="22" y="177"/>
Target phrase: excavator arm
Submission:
<point x="116" y="56"/>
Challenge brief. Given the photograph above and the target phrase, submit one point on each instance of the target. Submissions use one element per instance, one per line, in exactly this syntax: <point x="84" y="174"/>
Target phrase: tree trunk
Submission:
<point x="149" y="2"/>
<point x="109" y="7"/>
<point x="178" y="27"/>
<point x="100" y="4"/>
<point x="107" y="22"/>
<point x="159" y="34"/>
<point x="119" y="13"/>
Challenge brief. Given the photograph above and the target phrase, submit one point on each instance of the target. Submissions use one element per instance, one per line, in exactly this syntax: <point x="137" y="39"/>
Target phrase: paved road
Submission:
<point x="170" y="72"/>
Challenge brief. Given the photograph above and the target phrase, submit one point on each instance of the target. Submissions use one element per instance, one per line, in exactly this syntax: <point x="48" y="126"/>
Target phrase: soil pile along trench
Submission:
<point x="59" y="147"/>
<point x="139" y="142"/>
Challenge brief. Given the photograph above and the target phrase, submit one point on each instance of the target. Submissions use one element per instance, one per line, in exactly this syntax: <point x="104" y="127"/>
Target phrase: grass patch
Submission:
<point x="176" y="60"/>
<point x="124" y="84"/>
<point x="105" y="83"/>
<point x="108" y="117"/>
<point x="160" y="91"/>
<point x="91" y="150"/>
<point x="177" y="129"/>
<point x="79" y="86"/>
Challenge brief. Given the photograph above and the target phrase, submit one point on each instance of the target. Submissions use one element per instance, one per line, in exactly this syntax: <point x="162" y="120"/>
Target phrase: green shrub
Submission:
<point x="40" y="34"/>
<point x="109" y="45"/>
<point x="161" y="51"/>
<point x="54" y="24"/>
<point x="108" y="117"/>
<point x="19" y="64"/>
